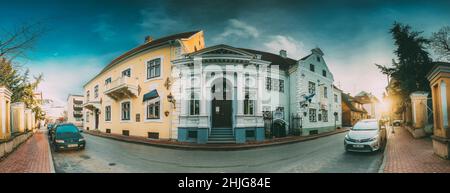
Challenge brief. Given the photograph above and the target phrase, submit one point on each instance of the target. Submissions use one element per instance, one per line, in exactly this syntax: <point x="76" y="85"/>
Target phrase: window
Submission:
<point x="126" y="111"/>
<point x="153" y="135"/>
<point x="268" y="83"/>
<point x="281" y="85"/>
<point x="312" y="88"/>
<point x="248" y="105"/>
<point x="96" y="91"/>
<point x="318" y="59"/>
<point x="325" y="92"/>
<point x="312" y="115"/>
<point x="335" y="98"/>
<point x="88" y="95"/>
<point x="126" y="72"/>
<point x="275" y="84"/>
<point x="87" y="117"/>
<point x="311" y="67"/>
<point x="108" y="113"/>
<point x="108" y="80"/>
<point x="153" y="68"/>
<point x="324" y="73"/>
<point x="153" y="110"/>
<point x="325" y="115"/>
<point x="247" y="80"/>
<point x="194" y="105"/>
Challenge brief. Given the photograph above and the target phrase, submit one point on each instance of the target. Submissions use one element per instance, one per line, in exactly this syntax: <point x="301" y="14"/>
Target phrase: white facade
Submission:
<point x="74" y="109"/>
<point x="311" y="77"/>
<point x="255" y="83"/>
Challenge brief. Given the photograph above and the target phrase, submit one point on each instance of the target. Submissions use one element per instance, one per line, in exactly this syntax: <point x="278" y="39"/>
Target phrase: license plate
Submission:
<point x="72" y="145"/>
<point x="358" y="146"/>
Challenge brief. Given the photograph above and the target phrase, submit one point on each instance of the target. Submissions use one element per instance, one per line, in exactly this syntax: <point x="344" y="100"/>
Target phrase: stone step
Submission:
<point x="221" y="142"/>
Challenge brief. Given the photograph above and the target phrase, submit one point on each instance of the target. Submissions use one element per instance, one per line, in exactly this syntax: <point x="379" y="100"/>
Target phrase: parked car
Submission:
<point x="68" y="136"/>
<point x="397" y="123"/>
<point x="51" y="131"/>
<point x="50" y="125"/>
<point x="366" y="136"/>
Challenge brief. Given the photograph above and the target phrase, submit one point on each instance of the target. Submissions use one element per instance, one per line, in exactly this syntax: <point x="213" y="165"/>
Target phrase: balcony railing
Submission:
<point x="123" y="87"/>
<point x="77" y="114"/>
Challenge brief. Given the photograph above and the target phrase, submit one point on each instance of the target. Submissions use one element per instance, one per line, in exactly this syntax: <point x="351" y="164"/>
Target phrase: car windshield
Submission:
<point x="63" y="131"/>
<point x="365" y="125"/>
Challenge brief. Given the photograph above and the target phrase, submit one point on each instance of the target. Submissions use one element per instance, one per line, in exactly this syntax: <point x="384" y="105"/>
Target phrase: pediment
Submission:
<point x="222" y="50"/>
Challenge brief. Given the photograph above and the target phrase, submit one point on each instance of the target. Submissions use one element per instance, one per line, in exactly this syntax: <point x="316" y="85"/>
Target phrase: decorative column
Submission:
<point x="439" y="77"/>
<point x="419" y="113"/>
<point x="5" y="120"/>
<point x="18" y="118"/>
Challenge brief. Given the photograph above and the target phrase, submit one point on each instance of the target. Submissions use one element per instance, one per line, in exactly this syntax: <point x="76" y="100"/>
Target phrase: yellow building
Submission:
<point x="132" y="95"/>
<point x="5" y="115"/>
<point x="439" y="78"/>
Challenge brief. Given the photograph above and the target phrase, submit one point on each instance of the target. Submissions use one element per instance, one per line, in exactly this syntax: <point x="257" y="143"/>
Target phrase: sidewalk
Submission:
<point x="404" y="154"/>
<point x="33" y="156"/>
<point x="225" y="147"/>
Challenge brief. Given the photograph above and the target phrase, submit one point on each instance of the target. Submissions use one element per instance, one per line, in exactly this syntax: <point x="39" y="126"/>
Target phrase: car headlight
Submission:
<point x="59" y="141"/>
<point x="373" y="138"/>
<point x="81" y="139"/>
<point x="347" y="137"/>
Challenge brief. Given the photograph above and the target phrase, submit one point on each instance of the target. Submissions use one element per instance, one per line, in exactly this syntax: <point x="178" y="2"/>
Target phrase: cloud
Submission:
<point x="238" y="29"/>
<point x="104" y="29"/>
<point x="295" y="49"/>
<point x="64" y="76"/>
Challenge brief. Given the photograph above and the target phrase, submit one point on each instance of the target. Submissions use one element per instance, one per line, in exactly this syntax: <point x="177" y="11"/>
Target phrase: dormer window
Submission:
<point x="318" y="59"/>
<point x="311" y="67"/>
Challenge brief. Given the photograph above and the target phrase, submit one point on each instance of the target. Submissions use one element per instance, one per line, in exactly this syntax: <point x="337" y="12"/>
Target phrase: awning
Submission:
<point x="150" y="95"/>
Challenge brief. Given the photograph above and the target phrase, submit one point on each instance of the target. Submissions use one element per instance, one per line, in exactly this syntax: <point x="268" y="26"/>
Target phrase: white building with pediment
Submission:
<point x="233" y="95"/>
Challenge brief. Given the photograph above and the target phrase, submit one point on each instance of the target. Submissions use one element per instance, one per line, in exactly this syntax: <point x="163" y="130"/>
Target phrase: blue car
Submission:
<point x="68" y="136"/>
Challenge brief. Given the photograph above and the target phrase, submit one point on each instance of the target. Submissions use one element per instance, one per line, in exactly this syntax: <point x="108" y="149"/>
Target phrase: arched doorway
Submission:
<point x="221" y="103"/>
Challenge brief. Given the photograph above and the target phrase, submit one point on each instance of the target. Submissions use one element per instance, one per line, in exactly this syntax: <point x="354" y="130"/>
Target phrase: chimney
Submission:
<point x="283" y="53"/>
<point x="148" y="39"/>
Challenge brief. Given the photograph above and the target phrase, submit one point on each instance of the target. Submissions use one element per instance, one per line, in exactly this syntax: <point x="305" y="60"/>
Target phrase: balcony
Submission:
<point x="92" y="105"/>
<point x="77" y="114"/>
<point x="77" y="107"/>
<point x="123" y="87"/>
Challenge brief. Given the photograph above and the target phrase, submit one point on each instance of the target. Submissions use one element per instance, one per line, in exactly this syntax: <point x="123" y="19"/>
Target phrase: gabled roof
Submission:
<point x="347" y="99"/>
<point x="283" y="63"/>
<point x="145" y="46"/>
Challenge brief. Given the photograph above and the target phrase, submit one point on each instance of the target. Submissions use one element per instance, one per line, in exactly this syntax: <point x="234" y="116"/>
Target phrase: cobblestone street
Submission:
<point x="404" y="154"/>
<point x="32" y="156"/>
<point x="324" y="154"/>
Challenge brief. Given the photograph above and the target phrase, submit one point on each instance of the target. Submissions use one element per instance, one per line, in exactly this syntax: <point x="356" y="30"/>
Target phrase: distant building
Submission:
<point x="74" y="109"/>
<point x="352" y="110"/>
<point x="370" y="103"/>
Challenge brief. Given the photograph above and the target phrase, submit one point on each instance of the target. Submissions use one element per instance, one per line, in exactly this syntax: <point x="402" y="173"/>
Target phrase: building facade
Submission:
<point x="352" y="110"/>
<point x="370" y="103"/>
<point x="439" y="78"/>
<point x="175" y="88"/>
<point x="131" y="95"/>
<point x="74" y="110"/>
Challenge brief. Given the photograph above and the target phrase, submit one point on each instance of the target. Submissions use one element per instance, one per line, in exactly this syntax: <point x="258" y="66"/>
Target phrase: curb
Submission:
<point x="383" y="163"/>
<point x="50" y="156"/>
<point x="222" y="148"/>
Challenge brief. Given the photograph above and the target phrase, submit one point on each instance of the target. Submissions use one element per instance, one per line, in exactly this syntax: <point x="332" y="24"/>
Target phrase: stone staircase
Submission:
<point x="221" y="135"/>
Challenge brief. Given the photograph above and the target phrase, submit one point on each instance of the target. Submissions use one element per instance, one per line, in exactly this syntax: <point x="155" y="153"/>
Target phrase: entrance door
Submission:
<point x="221" y="113"/>
<point x="96" y="118"/>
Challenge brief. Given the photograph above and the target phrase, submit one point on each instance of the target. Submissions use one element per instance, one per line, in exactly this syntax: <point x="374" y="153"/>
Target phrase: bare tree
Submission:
<point x="15" y="43"/>
<point x="440" y="43"/>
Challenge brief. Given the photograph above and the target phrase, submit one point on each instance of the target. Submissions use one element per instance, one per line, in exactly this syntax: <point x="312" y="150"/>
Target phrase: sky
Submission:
<point x="83" y="36"/>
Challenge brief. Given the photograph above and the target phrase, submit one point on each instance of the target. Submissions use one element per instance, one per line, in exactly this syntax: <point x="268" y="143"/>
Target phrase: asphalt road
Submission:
<point x="324" y="154"/>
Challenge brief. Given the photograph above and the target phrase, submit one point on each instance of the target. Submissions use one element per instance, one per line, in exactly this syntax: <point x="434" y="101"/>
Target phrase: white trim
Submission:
<point x="161" y="69"/>
<point x="160" y="110"/>
<point x="131" y="110"/>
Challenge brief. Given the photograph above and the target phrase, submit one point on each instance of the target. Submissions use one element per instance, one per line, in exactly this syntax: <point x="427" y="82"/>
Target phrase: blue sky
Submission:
<point x="85" y="35"/>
